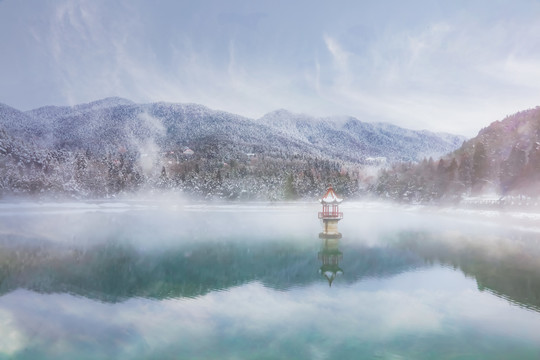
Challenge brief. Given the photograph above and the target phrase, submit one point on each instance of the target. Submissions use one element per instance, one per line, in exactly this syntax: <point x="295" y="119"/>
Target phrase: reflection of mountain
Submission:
<point x="507" y="267"/>
<point x="113" y="272"/>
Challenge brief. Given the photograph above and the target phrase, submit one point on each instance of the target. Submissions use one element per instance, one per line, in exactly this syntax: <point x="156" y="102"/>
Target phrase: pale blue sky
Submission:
<point x="450" y="66"/>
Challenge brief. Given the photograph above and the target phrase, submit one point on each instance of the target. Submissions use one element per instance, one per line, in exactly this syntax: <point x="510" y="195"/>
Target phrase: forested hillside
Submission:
<point x="503" y="159"/>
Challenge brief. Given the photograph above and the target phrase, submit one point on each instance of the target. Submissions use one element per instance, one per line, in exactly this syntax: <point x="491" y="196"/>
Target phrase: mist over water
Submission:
<point x="177" y="279"/>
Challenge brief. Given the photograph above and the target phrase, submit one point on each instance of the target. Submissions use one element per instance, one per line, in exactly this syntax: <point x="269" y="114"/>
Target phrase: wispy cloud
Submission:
<point x="453" y="70"/>
<point x="438" y="78"/>
<point x="340" y="59"/>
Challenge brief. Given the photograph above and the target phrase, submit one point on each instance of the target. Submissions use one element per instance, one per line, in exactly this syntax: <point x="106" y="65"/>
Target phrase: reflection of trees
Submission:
<point x="363" y="261"/>
<point x="116" y="271"/>
<point x="507" y="267"/>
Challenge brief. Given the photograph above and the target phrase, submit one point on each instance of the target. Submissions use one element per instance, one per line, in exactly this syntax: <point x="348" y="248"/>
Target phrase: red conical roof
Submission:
<point x="330" y="197"/>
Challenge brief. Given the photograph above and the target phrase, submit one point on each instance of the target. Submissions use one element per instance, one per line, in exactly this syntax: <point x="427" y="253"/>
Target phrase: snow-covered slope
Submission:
<point x="113" y="123"/>
<point x="354" y="139"/>
<point x="110" y="124"/>
<point x="20" y="124"/>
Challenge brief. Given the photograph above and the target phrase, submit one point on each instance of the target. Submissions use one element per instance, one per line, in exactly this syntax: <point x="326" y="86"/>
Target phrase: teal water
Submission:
<point x="218" y="281"/>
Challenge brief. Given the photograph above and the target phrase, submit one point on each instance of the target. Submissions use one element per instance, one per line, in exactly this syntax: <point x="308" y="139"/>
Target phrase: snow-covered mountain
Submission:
<point x="352" y="139"/>
<point x="105" y="126"/>
<point x="20" y="124"/>
<point x="114" y="145"/>
<point x="109" y="124"/>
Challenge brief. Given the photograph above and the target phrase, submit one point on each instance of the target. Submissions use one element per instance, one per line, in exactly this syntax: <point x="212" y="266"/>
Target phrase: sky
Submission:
<point x="452" y="66"/>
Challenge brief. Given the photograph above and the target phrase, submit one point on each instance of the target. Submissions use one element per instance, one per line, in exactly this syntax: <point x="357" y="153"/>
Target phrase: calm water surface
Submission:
<point x="140" y="280"/>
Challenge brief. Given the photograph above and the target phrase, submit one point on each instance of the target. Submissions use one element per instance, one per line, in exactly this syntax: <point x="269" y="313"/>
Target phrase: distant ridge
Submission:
<point x="104" y="124"/>
<point x="354" y="139"/>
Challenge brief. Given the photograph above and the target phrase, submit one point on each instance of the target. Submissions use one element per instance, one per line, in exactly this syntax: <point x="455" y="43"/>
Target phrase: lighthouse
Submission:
<point x="330" y="214"/>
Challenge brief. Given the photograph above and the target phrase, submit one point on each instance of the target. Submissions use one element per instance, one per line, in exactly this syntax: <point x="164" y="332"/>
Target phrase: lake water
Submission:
<point x="149" y="280"/>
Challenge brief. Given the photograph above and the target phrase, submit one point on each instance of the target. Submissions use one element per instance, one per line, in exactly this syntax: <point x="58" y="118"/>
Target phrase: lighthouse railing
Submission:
<point x="331" y="215"/>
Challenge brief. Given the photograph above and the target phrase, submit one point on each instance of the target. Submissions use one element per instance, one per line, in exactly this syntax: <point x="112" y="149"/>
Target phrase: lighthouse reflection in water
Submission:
<point x="330" y="256"/>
